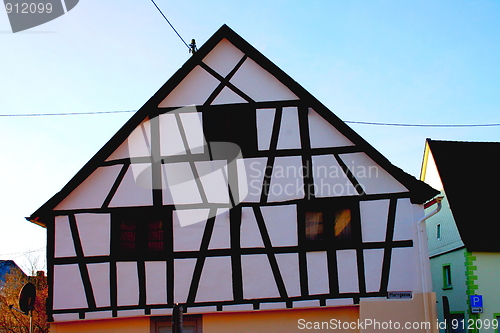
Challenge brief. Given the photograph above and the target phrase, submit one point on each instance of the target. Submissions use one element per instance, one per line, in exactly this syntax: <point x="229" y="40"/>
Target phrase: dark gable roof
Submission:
<point x="470" y="175"/>
<point x="420" y="192"/>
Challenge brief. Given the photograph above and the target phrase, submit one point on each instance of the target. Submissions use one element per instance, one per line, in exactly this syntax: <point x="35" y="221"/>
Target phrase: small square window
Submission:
<point x="327" y="224"/>
<point x="314" y="226"/>
<point x="137" y="232"/>
<point x="447" y="277"/>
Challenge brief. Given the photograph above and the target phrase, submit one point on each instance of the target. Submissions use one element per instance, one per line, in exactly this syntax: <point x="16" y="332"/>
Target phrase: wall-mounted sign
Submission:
<point x="476" y="303"/>
<point x="399" y="294"/>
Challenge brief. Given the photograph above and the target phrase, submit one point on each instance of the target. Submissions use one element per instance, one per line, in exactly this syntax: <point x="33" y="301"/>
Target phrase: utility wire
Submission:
<point x="170" y="24"/>
<point x="62" y="114"/>
<point x="347" y="121"/>
<point x="419" y="125"/>
<point x="22" y="253"/>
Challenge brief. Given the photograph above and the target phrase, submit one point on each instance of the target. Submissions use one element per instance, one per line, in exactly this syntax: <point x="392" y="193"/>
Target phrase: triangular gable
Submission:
<point x="228" y="71"/>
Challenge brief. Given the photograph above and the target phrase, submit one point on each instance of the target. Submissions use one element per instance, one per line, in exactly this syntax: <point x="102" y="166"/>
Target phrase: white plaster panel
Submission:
<point x="170" y="136"/>
<point x="281" y="224"/>
<point x="99" y="279"/>
<point x="213" y="177"/>
<point x="92" y="192"/>
<point x="288" y="264"/>
<point x="317" y="273"/>
<point x="329" y="178"/>
<point x="69" y="292"/>
<point x="373" y="259"/>
<point x="374" y="216"/>
<point x="193" y="128"/>
<point x="289" y="135"/>
<point x="272" y="305"/>
<point x="189" y="226"/>
<point x="227" y="96"/>
<point x="156" y="282"/>
<point x="202" y="309"/>
<point x="135" y="188"/>
<point x="259" y="84"/>
<point x="183" y="274"/>
<point x="161" y="311"/>
<point x="185" y="217"/>
<point x="237" y="307"/>
<point x="95" y="233"/>
<point x="339" y="301"/>
<point x="221" y="235"/>
<point x="179" y="184"/>
<point x="60" y="317"/>
<point x="348" y="271"/>
<point x="127" y="281"/>
<point x="194" y="89"/>
<point x="306" y="304"/>
<point x="130" y="313"/>
<point x="98" y="315"/>
<point x="138" y="143"/>
<point x="64" y="246"/>
<point x="403" y="271"/>
<point x="372" y="178"/>
<point x="265" y="121"/>
<point x="287" y="181"/>
<point x="323" y="134"/>
<point x="223" y="57"/>
<point x="251" y="173"/>
<point x="404" y="226"/>
<point x="250" y="232"/>
<point x="258" y="278"/>
<point x="216" y="281"/>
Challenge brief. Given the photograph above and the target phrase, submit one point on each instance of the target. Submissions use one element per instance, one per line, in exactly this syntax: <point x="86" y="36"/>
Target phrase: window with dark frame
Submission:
<point x="324" y="223"/>
<point x="137" y="233"/>
<point x="447" y="283"/>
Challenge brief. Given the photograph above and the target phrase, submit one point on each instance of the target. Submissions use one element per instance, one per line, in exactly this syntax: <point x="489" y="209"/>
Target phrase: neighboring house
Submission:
<point x="463" y="238"/>
<point x="256" y="207"/>
<point x="6" y="267"/>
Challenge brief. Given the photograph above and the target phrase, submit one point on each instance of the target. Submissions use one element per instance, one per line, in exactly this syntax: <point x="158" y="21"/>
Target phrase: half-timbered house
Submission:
<point x="235" y="192"/>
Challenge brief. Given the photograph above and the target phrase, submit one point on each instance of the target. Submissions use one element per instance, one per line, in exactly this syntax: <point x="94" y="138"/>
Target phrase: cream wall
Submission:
<point x="286" y="321"/>
<point x="488" y="270"/>
<point x="122" y="325"/>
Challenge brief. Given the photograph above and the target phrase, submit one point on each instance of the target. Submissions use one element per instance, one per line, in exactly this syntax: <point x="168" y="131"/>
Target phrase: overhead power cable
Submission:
<point x="154" y="3"/>
<point x="63" y="114"/>
<point x="346" y="121"/>
<point x="419" y="125"/>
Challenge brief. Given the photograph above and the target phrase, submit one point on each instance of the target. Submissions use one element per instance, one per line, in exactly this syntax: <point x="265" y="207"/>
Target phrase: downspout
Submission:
<point x="422" y="240"/>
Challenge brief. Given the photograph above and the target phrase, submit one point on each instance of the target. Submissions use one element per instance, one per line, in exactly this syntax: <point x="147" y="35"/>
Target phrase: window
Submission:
<point x="447" y="277"/>
<point x="324" y="224"/>
<point x="137" y="232"/>
<point x="234" y="124"/>
<point x="438" y="231"/>
<point x="191" y="324"/>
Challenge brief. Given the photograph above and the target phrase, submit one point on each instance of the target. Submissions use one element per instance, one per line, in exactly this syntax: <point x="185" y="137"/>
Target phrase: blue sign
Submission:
<point x="476" y="301"/>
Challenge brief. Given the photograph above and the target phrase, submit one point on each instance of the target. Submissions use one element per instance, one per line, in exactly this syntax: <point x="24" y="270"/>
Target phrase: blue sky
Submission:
<point x="430" y="62"/>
